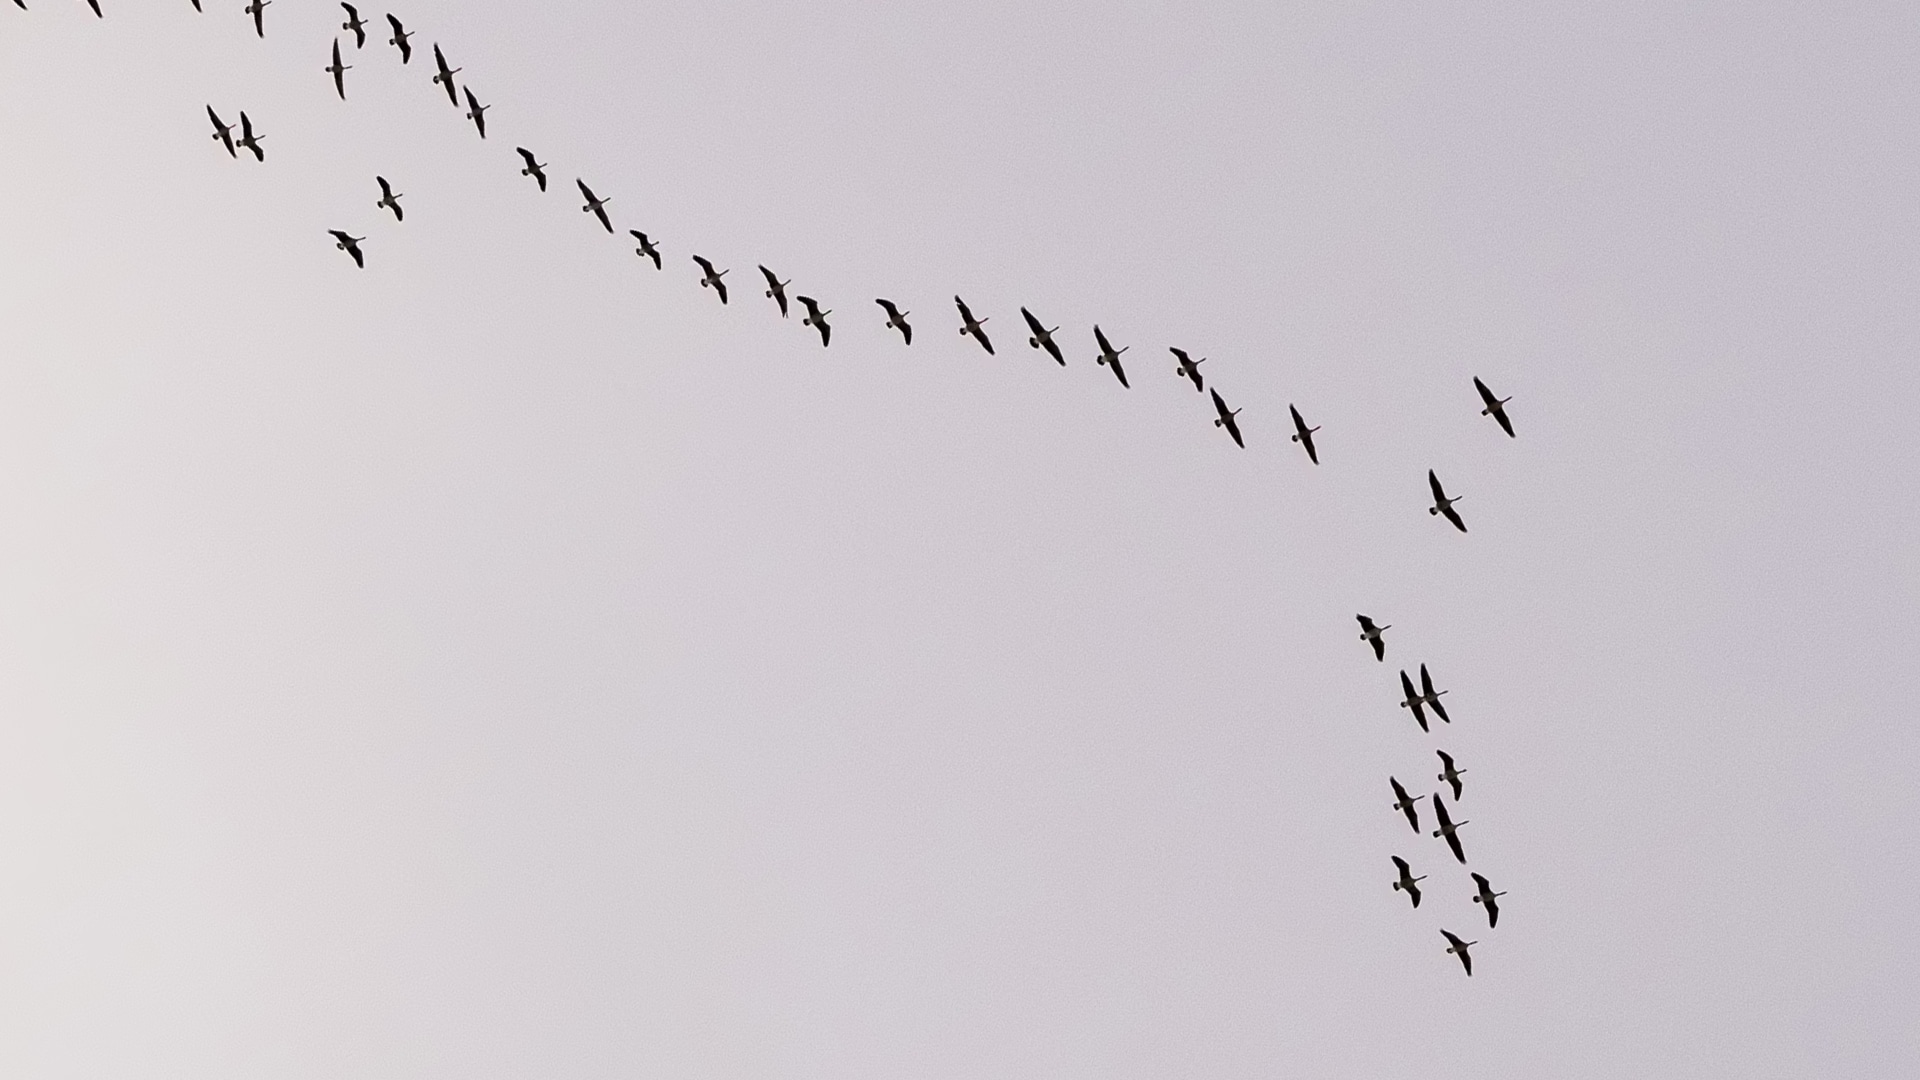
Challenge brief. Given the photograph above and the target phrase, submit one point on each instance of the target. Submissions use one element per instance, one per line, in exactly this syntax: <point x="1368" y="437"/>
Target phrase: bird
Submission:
<point x="1488" y="899"/>
<point x="1189" y="368"/>
<point x="1406" y="804"/>
<point x="444" y="76"/>
<point x="1449" y="775"/>
<point x="897" y="320"/>
<point x="1412" y="700"/>
<point x="1496" y="406"/>
<point x="222" y="131"/>
<point x="1370" y="634"/>
<point x="711" y="277"/>
<point x="1459" y="949"/>
<point x="354" y="24"/>
<point x="1226" y="419"/>
<point x="389" y="200"/>
<point x="777" y="289"/>
<point x="534" y="168"/>
<point x="258" y="9"/>
<point x="1110" y="357"/>
<point x="595" y="206"/>
<point x="1431" y="696"/>
<point x="1303" y="435"/>
<point x="399" y="40"/>
<point x="476" y="112"/>
<point x="1442" y="504"/>
<point x="339" y="71"/>
<point x="972" y="326"/>
<point x="248" y="139"/>
<point x="646" y="250"/>
<point x="1042" y="337"/>
<point x="1448" y="828"/>
<point x="350" y="245"/>
<point x="816" y="318"/>
<point x="1407" y="883"/>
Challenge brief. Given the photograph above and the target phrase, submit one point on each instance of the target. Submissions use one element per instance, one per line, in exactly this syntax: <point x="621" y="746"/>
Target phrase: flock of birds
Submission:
<point x="1420" y="701"/>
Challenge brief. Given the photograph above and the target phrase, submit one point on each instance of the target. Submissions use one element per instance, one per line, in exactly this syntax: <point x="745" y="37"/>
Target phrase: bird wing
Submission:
<point x="1500" y="415"/>
<point x="1306" y="440"/>
<point x="601" y="213"/>
<point x="1453" y="515"/>
<point x="1439" y="493"/>
<point x="1480" y="881"/>
<point x="1486" y="395"/>
<point x="1446" y="760"/>
<point x="1379" y="649"/>
<point x="720" y="287"/>
<point x="808" y="302"/>
<point x="826" y="332"/>
<point x="1039" y="332"/>
<point x="1366" y="625"/>
<point x="1105" y="349"/>
<point x="1233" y="429"/>
<point x="1493" y="911"/>
<point x="705" y="266"/>
<point x="985" y="342"/>
<point x="1299" y="425"/>
<point x="1453" y="841"/>
<point x="1219" y="404"/>
<point x="527" y="157"/>
<point x="1440" y="813"/>
<point x="966" y="314"/>
<point x="1413" y="892"/>
<point x="338" y="235"/>
<point x="906" y="333"/>
<point x="1401" y="863"/>
<point x="773" y="281"/>
<point x="1406" y="687"/>
<point x="386" y="190"/>
<point x="887" y="306"/>
<point x="1118" y="372"/>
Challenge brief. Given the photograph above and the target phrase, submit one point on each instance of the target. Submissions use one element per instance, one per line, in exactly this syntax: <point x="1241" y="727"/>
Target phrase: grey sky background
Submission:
<point x="506" y="661"/>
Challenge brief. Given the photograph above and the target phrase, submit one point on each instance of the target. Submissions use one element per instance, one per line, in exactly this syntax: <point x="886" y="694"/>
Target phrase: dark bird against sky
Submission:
<point x="1448" y="829"/>
<point x="972" y="327"/>
<point x="897" y="320"/>
<point x="1442" y="504"/>
<point x="1303" y="435"/>
<point x="1488" y="899"/>
<point x="595" y="206"/>
<point x="476" y="112"/>
<point x="776" y="289"/>
<point x="354" y="26"/>
<point x="816" y="318"/>
<point x="647" y="248"/>
<point x="339" y="71"/>
<point x="443" y="75"/>
<point x="1189" y="368"/>
<point x="1459" y="949"/>
<point x="248" y="140"/>
<point x="389" y="200"/>
<point x="1110" y="356"/>
<point x="1496" y="406"/>
<point x="710" y="278"/>
<point x="1042" y="337"/>
<point x="350" y="245"/>
<point x="1407" y="883"/>
<point x="533" y="168"/>
<point x="1449" y="775"/>
<point x="258" y="9"/>
<point x="222" y="131"/>
<point x="1370" y="634"/>
<point x="401" y="39"/>
<point x="1226" y="419"/>
<point x="1406" y="804"/>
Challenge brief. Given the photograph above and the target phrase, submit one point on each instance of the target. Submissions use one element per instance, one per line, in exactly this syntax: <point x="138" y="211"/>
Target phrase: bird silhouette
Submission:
<point x="339" y="71"/>
<point x="1459" y="949"/>
<point x="1042" y="337"/>
<point x="1448" y="828"/>
<point x="1303" y="435"/>
<point x="1496" y="406"/>
<point x="1370" y="634"/>
<point x="1407" y="883"/>
<point x="444" y="75"/>
<point x="389" y="200"/>
<point x="258" y="9"/>
<point x="533" y="167"/>
<point x="646" y="250"/>
<point x="710" y="278"/>
<point x="1406" y="804"/>
<point x="1411" y="699"/>
<point x="1189" y="368"/>
<point x="777" y="289"/>
<point x="1488" y="899"/>
<point x="248" y="139"/>
<point x="972" y="327"/>
<point x="1450" y="775"/>
<point x="1431" y="696"/>
<point x="476" y="112"/>
<point x="354" y="26"/>
<point x="897" y="320"/>
<point x="1226" y="419"/>
<point x="595" y="206"/>
<point x="222" y="131"/>
<point x="816" y="318"/>
<point x="401" y="39"/>
<point x="350" y="245"/>
<point x="1109" y="356"/>
<point x="1443" y="505"/>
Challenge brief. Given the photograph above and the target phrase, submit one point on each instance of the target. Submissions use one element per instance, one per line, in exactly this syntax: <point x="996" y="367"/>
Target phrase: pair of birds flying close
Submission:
<point x="1426" y="698"/>
<point x="1484" y="894"/>
<point x="249" y="139"/>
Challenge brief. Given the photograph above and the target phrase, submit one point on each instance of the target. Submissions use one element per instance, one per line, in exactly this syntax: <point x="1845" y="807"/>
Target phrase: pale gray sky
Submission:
<point x="506" y="661"/>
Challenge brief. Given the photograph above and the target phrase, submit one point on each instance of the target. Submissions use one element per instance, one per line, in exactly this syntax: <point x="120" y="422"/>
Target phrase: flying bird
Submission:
<point x="646" y="250"/>
<point x="595" y="206"/>
<point x="1450" y="775"/>
<point x="1488" y="899"/>
<point x="257" y="9"/>
<point x="1447" y="828"/>
<point x="970" y="326"/>
<point x="389" y="200"/>
<point x="1226" y="419"/>
<point x="1412" y="700"/>
<point x="222" y="131"/>
<point x="816" y="318"/>
<point x="339" y="71"/>
<point x="476" y="112"/>
<point x="1189" y="368"/>
<point x="400" y="39"/>
<point x="1042" y="337"/>
<point x="1496" y="406"/>
<point x="444" y="76"/>
<point x="1303" y="435"/>
<point x="1406" y="804"/>
<point x="1370" y="634"/>
<point x="1407" y="883"/>
<point x="350" y="245"/>
<point x="534" y="168"/>
<point x="711" y="278"/>
<point x="1459" y="949"/>
<point x="777" y="290"/>
<point x="248" y="139"/>
<point x="353" y="24"/>
<point x="1442" y="504"/>
<point x="1109" y="356"/>
<point x="1431" y="696"/>
<point x="897" y="320"/>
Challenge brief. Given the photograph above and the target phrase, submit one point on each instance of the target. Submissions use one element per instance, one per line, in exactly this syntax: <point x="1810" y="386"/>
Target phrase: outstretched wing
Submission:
<point x="479" y="114"/>
<point x="1105" y="349"/>
<point x="221" y="132"/>
<point x="1439" y="493"/>
<point x="1486" y="395"/>
<point x="1118" y="371"/>
<point x="1453" y="515"/>
<point x="1402" y="864"/>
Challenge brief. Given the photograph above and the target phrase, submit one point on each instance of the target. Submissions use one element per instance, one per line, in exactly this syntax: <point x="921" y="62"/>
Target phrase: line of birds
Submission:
<point x="1040" y="337"/>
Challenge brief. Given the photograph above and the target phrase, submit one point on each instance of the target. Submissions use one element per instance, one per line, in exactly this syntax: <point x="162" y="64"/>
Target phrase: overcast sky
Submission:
<point x="506" y="661"/>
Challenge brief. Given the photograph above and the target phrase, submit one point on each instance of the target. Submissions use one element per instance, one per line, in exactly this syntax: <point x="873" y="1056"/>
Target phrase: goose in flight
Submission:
<point x="248" y="140"/>
<point x="710" y="278"/>
<point x="1496" y="406"/>
<point x="1407" y="883"/>
<point x="1448" y="828"/>
<point x="1370" y="634"/>
<point x="1303" y="435"/>
<point x="647" y="249"/>
<point x="776" y="289"/>
<point x="1442" y="504"/>
<point x="1042" y="337"/>
<point x="476" y="112"/>
<point x="222" y="131"/>
<point x="339" y="71"/>
<point x="1226" y="419"/>
<point x="1488" y="899"/>
<point x="400" y="39"/>
<point x="970" y="326"/>
<point x="1189" y="368"/>
<point x="816" y="318"/>
<point x="1406" y="804"/>
<point x="595" y="206"/>
<point x="389" y="200"/>
<point x="257" y="9"/>
<point x="1411" y="699"/>
<point x="1110" y="356"/>
<point x="444" y="76"/>
<point x="897" y="320"/>
<point x="533" y="167"/>
<point x="1449" y="774"/>
<point x="355" y="26"/>
<point x="1459" y="949"/>
<point x="350" y="245"/>
<point x="1431" y="696"/>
